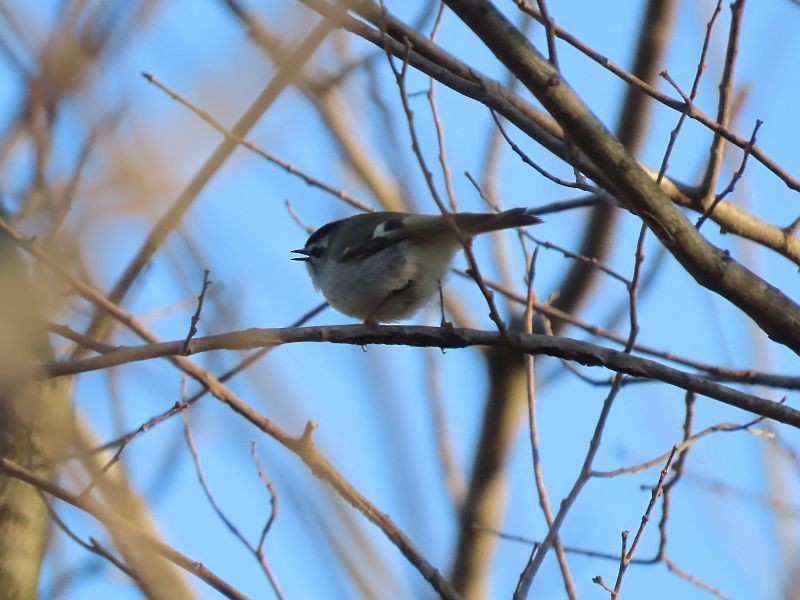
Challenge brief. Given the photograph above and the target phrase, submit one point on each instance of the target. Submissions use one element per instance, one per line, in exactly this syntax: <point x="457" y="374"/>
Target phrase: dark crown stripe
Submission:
<point x="322" y="232"/>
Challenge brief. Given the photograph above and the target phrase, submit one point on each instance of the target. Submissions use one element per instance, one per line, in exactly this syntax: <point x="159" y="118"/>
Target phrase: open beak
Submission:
<point x="302" y="251"/>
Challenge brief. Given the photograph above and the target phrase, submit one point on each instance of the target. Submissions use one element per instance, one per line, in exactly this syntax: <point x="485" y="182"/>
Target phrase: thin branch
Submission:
<point x="537" y="555"/>
<point x="231" y="135"/>
<point x="196" y="315"/>
<point x="625" y="558"/>
<point x="286" y="73"/>
<point x="92" y="546"/>
<point x="716" y="151"/>
<point x="694" y="112"/>
<point x="257" y="552"/>
<point x="736" y="177"/>
<point x="550" y="31"/>
<point x="273" y="498"/>
<point x="541" y="490"/>
<point x="438" y="125"/>
<point x="466" y="243"/>
<point x="689" y="100"/>
<point x="528" y="161"/>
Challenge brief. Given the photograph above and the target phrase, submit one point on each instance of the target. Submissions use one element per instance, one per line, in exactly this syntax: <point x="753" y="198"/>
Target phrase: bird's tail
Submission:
<point x="475" y="223"/>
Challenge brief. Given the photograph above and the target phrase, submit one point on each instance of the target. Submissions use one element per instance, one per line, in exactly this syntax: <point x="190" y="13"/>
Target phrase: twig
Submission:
<point x="599" y="581"/>
<point x="529" y="161"/>
<point x="736" y="177"/>
<point x="625" y="558"/>
<point x="716" y="151"/>
<point x="438" y="125"/>
<point x="273" y="498"/>
<point x="549" y="28"/>
<point x="296" y="218"/>
<point x="689" y="100"/>
<point x="568" y="549"/>
<point x="93" y="546"/>
<point x="286" y="73"/>
<point x="538" y="554"/>
<point x="196" y="315"/>
<point x="231" y="135"/>
<point x="466" y="243"/>
<point x="694" y="113"/>
<point x="257" y="552"/>
<point x="595" y="263"/>
<point x="682" y="446"/>
<point x="541" y="490"/>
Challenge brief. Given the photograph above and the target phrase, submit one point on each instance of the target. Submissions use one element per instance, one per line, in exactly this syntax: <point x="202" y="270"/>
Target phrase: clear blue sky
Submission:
<point x="371" y="406"/>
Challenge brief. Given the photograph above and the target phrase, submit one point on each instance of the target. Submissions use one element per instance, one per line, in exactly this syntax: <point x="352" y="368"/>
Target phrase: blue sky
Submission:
<point x="372" y="406"/>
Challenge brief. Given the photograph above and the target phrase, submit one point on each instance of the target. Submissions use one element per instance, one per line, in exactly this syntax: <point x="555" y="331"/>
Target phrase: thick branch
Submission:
<point x="436" y="337"/>
<point x="713" y="268"/>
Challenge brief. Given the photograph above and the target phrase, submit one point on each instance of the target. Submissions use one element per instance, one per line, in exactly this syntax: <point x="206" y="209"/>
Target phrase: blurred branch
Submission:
<point x="233" y="137"/>
<point x="333" y="108"/>
<point x="286" y="73"/>
<point x="112" y="520"/>
<point x="302" y="446"/>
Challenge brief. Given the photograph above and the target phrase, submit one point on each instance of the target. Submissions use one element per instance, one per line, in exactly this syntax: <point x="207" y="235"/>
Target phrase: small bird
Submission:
<point x="382" y="267"/>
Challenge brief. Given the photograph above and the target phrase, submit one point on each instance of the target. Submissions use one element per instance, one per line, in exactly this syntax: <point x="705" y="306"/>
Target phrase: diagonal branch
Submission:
<point x="774" y="312"/>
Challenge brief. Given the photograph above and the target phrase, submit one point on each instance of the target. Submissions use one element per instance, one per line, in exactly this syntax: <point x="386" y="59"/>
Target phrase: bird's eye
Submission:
<point x="315" y="251"/>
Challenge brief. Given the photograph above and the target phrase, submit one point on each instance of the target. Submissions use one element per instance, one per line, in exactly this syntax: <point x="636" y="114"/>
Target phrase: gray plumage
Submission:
<point x="384" y="266"/>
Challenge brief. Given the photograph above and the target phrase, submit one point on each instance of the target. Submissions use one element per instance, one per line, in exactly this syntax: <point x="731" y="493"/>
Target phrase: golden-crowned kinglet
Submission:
<point x="384" y="266"/>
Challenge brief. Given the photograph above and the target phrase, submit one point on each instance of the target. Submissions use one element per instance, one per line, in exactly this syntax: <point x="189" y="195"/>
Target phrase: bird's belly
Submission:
<point x="390" y="286"/>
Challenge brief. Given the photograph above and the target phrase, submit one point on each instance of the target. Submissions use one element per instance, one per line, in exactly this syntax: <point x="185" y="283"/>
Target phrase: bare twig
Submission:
<point x="93" y="546"/>
<point x="724" y="105"/>
<point x="273" y="498"/>
<point x="528" y="161"/>
<point x="256" y="551"/>
<point x="230" y="134"/>
<point x="466" y="243"/>
<point x="550" y="30"/>
<point x="626" y="557"/>
<point x="541" y="490"/>
<point x="732" y="184"/>
<point x="172" y="217"/>
<point x="196" y="315"/>
<point x="694" y="112"/>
